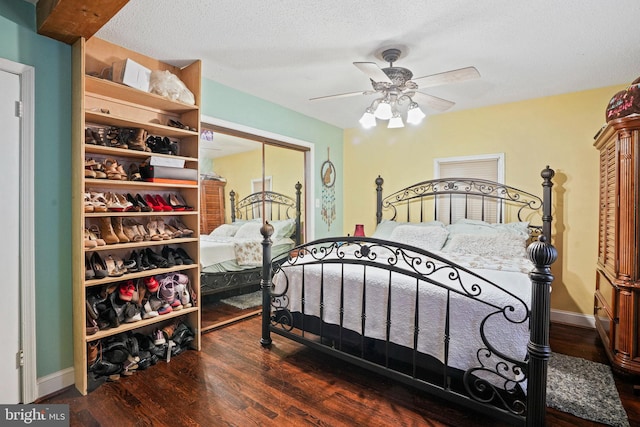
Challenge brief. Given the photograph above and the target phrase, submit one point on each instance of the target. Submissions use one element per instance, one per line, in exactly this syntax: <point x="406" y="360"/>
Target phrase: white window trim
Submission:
<point x="497" y="156"/>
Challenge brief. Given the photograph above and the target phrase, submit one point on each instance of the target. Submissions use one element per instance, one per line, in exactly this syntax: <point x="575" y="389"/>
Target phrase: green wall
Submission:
<point x="52" y="63"/>
<point x="19" y="42"/>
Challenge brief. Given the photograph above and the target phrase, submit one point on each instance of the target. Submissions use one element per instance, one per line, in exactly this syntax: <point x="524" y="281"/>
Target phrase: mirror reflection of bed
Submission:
<point x="232" y="167"/>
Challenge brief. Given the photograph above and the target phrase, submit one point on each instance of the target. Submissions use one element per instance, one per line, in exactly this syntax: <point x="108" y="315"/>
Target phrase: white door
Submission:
<point x="10" y="249"/>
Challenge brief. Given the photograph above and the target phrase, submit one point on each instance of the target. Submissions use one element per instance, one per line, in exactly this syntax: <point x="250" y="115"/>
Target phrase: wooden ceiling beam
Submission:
<point x="68" y="20"/>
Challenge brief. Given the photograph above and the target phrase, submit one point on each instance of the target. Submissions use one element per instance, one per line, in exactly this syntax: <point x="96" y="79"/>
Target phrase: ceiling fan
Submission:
<point x="396" y="86"/>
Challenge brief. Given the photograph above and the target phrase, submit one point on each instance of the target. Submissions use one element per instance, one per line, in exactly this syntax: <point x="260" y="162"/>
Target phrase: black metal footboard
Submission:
<point x="420" y="318"/>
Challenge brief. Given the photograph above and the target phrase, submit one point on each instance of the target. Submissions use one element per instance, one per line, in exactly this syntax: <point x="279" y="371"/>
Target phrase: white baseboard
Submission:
<point x="574" y="319"/>
<point x="54" y="382"/>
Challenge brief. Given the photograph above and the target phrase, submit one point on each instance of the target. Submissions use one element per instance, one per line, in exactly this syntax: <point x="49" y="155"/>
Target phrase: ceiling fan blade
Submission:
<point x="447" y="77"/>
<point x="434" y="102"/>
<point x="374" y="72"/>
<point x="343" y="95"/>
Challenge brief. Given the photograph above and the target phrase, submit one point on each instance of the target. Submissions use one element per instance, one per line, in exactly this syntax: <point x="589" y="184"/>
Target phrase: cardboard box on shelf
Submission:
<point x="131" y="73"/>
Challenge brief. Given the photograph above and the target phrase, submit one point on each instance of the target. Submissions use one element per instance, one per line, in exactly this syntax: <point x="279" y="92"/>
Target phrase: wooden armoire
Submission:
<point x="211" y="204"/>
<point x="617" y="296"/>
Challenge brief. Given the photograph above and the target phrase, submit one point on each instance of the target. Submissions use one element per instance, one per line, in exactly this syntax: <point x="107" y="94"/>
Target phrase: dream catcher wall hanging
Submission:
<point x="328" y="176"/>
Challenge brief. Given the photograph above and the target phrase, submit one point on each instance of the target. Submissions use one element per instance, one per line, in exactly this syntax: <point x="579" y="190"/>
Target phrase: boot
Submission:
<point x="139" y="142"/>
<point x="119" y="231"/>
<point x="106" y="231"/>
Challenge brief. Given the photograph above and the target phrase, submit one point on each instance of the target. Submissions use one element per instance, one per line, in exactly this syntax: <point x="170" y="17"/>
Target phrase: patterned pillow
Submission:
<point x="427" y="238"/>
<point x="386" y="227"/>
<point x="500" y="245"/>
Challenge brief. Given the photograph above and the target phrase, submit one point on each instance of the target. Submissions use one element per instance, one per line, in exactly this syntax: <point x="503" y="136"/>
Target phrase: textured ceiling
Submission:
<point x="288" y="51"/>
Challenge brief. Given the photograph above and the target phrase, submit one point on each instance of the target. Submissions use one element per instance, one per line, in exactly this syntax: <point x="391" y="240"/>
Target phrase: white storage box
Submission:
<point x="131" y="73"/>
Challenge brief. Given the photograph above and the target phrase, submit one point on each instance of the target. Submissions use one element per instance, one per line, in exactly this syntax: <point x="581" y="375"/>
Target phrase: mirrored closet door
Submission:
<point x="244" y="180"/>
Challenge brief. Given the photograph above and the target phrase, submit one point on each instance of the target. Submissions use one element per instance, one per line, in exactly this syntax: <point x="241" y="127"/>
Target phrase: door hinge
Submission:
<point x="19" y="109"/>
<point x="20" y="358"/>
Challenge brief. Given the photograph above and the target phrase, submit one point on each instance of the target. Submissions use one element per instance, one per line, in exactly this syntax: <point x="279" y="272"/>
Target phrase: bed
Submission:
<point x="450" y="294"/>
<point x="231" y="255"/>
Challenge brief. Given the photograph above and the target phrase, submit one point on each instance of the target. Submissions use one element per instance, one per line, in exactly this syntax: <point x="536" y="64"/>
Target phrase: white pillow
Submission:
<point x="427" y="238"/>
<point x="250" y="230"/>
<point x="224" y="230"/>
<point x="283" y="228"/>
<point x="386" y="227"/>
<point x="502" y="245"/>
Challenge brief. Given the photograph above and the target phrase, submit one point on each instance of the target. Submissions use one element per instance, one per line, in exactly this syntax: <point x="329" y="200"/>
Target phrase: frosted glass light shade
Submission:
<point x="383" y="112"/>
<point x="415" y="114"/>
<point x="368" y="120"/>
<point x="395" y="122"/>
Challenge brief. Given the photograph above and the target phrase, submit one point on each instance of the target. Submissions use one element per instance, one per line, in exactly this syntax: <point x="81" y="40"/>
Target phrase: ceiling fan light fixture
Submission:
<point x="368" y="120"/>
<point x="395" y="122"/>
<point x="383" y="112"/>
<point x="415" y="114"/>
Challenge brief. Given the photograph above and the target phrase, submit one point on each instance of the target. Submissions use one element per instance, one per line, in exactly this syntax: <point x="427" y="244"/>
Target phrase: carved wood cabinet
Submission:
<point x="617" y="296"/>
<point x="211" y="204"/>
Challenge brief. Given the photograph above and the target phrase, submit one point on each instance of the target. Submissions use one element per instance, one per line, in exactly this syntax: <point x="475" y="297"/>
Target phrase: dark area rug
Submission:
<point x="585" y="389"/>
<point x="253" y="299"/>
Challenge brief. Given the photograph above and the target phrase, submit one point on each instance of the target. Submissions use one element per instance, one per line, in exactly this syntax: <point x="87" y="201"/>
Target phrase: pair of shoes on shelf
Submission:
<point x="162" y="145"/>
<point x="93" y="137"/>
<point x="92" y="239"/>
<point x="177" y="202"/>
<point x="114" y="170"/>
<point x="95" y="268"/>
<point x="138" y="142"/>
<point x="177" y="124"/>
<point x="93" y="169"/>
<point x="186" y="232"/>
<point x="157" y="203"/>
<point x="94" y="202"/>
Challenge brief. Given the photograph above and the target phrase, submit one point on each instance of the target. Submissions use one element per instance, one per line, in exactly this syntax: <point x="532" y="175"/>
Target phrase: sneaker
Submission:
<point x="183" y="295"/>
<point x="148" y="312"/>
<point x="165" y="309"/>
<point x="151" y="283"/>
<point x="158" y="337"/>
<point x="167" y="289"/>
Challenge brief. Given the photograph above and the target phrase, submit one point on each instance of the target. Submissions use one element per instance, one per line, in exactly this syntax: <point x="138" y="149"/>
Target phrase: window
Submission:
<point x="451" y="208"/>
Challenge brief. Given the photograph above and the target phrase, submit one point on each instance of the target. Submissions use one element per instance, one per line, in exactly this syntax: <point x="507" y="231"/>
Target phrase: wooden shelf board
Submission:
<point x="152" y="128"/>
<point x="135" y="245"/>
<point x="94" y="182"/>
<point x="111" y="151"/>
<point x="139" y="324"/>
<point x="108" y="88"/>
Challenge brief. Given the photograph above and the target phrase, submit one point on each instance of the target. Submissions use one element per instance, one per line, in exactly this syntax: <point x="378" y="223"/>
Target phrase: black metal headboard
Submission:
<point x="277" y="206"/>
<point x="422" y="201"/>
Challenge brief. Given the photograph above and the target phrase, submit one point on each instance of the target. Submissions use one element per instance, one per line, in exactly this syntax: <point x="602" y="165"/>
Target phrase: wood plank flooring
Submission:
<point x="233" y="381"/>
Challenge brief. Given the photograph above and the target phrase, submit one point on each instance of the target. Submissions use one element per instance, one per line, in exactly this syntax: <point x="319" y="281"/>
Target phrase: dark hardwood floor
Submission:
<point x="233" y="381"/>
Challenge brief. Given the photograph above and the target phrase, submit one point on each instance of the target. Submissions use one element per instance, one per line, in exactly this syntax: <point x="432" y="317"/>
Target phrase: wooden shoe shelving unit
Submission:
<point x="101" y="102"/>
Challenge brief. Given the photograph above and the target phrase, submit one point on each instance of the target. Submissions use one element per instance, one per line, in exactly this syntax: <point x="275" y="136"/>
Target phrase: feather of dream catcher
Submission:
<point x="328" y="176"/>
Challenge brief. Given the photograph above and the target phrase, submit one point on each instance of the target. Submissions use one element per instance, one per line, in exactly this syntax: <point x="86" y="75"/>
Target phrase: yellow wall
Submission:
<point x="556" y="131"/>
<point x="284" y="166"/>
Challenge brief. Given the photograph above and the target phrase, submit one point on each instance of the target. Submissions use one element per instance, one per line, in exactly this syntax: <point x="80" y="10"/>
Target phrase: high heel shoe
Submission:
<point x="161" y="229"/>
<point x="152" y="226"/>
<point x="98" y="266"/>
<point x="131" y="230"/>
<point x="175" y="204"/>
<point x="183" y="228"/>
<point x="88" y="243"/>
<point x="183" y="203"/>
<point x="163" y="203"/>
<point x="143" y="231"/>
<point x="144" y="207"/>
<point x="186" y="259"/>
<point x="94" y="234"/>
<point x="151" y="201"/>
<point x="89" y="274"/>
<point x="113" y="204"/>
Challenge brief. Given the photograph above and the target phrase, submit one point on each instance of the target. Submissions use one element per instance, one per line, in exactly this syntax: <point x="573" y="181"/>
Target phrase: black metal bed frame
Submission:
<point x="278" y="206"/>
<point x="508" y="401"/>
